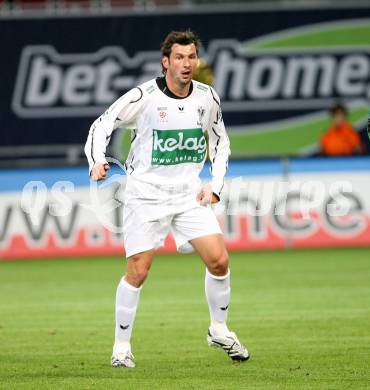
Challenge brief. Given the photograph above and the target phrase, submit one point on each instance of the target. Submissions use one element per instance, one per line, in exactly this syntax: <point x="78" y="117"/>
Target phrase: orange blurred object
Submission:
<point x="341" y="140"/>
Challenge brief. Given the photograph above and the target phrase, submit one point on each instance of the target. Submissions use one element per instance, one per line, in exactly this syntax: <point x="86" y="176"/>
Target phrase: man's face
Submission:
<point x="339" y="117"/>
<point x="181" y="64"/>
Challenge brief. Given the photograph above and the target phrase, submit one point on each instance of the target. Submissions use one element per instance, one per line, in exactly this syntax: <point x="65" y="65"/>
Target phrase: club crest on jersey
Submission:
<point x="172" y="147"/>
<point x="201" y="112"/>
<point x="163" y="116"/>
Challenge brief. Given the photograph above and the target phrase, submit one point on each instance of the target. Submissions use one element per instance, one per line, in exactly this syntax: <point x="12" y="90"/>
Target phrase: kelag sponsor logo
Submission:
<point x="262" y="74"/>
<point x="172" y="147"/>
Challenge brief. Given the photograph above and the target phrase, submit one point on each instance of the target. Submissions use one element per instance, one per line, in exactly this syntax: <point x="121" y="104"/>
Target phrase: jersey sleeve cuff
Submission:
<point x="217" y="186"/>
<point x="99" y="161"/>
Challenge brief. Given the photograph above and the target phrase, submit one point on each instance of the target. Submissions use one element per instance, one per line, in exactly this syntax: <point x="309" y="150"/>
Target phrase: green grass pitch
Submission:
<point x="304" y="316"/>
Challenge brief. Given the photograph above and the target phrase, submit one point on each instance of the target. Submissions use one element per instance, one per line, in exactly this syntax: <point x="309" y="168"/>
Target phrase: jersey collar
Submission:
<point x="162" y="85"/>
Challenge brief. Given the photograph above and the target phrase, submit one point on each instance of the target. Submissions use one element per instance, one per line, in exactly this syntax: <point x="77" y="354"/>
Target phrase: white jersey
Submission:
<point x="168" y="143"/>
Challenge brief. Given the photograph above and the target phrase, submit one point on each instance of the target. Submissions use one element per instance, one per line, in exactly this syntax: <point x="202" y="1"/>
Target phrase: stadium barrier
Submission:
<point x="270" y="204"/>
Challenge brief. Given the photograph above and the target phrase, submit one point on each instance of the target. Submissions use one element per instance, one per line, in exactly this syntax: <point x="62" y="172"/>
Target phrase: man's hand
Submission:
<point x="99" y="171"/>
<point x="206" y="196"/>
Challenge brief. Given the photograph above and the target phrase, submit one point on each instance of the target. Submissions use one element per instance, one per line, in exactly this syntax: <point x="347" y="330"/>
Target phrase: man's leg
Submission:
<point x="127" y="299"/>
<point x="213" y="252"/>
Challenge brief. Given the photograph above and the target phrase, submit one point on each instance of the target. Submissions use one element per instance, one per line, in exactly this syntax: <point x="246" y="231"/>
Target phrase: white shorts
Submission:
<point x="142" y="233"/>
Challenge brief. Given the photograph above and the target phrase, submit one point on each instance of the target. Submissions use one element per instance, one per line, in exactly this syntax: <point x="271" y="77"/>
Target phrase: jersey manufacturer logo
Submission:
<point x="172" y="147"/>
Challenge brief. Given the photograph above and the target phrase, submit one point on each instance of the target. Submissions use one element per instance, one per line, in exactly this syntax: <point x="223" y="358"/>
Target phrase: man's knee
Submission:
<point x="220" y="265"/>
<point x="136" y="278"/>
<point x="137" y="269"/>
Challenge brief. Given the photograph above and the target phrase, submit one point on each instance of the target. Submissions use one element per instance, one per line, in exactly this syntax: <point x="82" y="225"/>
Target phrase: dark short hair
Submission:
<point x="186" y="37"/>
<point x="338" y="107"/>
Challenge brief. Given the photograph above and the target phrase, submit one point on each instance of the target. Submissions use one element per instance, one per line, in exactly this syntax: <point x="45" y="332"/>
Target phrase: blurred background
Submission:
<point x="293" y="77"/>
<point x="294" y="81"/>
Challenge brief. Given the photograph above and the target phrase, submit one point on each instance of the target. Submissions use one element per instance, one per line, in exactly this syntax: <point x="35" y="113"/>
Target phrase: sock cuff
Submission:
<point x="129" y="286"/>
<point x="218" y="277"/>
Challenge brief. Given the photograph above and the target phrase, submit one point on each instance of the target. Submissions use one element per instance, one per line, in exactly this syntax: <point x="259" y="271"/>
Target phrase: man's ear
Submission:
<point x="165" y="62"/>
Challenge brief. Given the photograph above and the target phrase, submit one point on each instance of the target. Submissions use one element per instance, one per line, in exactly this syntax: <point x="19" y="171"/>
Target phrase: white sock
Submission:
<point x="218" y="298"/>
<point x="127" y="299"/>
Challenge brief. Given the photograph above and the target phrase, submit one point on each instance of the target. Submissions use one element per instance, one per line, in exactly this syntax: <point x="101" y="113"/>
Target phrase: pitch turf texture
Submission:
<point x="304" y="316"/>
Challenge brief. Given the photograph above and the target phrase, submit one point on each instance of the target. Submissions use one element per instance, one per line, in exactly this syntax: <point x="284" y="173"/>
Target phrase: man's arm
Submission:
<point x="123" y="111"/>
<point x="219" y="147"/>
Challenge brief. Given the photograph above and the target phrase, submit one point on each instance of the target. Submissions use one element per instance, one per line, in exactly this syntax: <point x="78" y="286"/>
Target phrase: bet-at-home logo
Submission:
<point x="272" y="72"/>
<point x="172" y="147"/>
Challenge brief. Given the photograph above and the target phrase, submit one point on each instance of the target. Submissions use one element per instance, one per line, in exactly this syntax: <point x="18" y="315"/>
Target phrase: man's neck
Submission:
<point x="178" y="90"/>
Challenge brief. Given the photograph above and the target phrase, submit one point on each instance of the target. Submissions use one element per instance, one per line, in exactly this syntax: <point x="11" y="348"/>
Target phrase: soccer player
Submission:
<point x="169" y="116"/>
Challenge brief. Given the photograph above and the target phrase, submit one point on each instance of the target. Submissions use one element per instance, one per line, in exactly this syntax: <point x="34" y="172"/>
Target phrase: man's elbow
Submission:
<point x="87" y="149"/>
